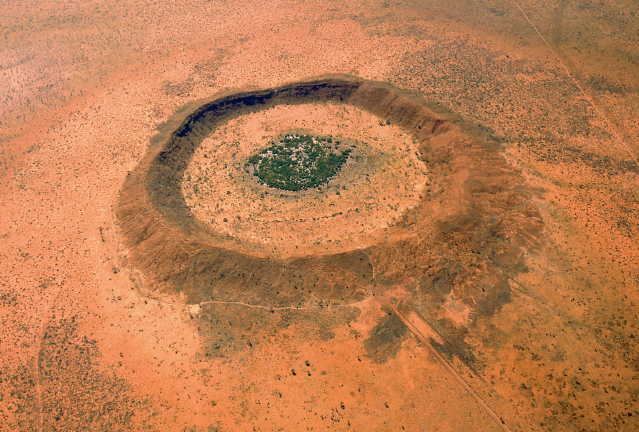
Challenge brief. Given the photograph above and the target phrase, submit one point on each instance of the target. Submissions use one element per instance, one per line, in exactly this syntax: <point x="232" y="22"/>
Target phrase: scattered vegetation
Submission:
<point x="298" y="162"/>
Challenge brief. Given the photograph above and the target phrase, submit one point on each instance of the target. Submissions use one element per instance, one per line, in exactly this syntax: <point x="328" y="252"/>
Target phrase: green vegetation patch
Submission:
<point x="298" y="162"/>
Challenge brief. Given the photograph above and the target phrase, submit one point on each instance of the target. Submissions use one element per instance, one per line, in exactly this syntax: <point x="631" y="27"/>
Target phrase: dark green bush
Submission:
<point x="298" y="162"/>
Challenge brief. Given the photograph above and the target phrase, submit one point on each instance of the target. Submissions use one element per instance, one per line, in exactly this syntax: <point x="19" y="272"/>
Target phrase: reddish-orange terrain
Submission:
<point x="474" y="266"/>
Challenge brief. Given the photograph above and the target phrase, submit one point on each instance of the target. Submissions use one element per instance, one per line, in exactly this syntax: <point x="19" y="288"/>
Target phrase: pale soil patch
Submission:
<point x="382" y="179"/>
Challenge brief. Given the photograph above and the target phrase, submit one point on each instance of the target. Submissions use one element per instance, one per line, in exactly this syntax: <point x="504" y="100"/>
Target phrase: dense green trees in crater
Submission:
<point x="298" y="162"/>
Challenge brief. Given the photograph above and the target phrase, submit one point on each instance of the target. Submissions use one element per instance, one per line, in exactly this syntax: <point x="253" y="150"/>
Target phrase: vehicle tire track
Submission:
<point x="611" y="128"/>
<point x="500" y="422"/>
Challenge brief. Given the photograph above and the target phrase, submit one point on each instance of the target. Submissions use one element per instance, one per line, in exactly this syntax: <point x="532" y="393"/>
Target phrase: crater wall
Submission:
<point x="457" y="247"/>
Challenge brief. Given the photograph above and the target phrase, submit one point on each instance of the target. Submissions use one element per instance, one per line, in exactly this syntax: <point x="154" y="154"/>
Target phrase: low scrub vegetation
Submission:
<point x="298" y="162"/>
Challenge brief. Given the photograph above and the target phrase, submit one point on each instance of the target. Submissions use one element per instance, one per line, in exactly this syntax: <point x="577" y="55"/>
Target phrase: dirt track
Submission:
<point x="519" y="266"/>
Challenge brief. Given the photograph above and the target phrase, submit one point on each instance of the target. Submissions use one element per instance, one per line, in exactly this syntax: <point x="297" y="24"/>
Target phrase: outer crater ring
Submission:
<point x="177" y="253"/>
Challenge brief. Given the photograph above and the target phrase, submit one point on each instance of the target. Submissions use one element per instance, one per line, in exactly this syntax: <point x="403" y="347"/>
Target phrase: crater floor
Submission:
<point x="381" y="180"/>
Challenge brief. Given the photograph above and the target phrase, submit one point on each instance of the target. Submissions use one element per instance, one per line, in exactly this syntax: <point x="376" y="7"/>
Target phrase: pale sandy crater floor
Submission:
<point x="382" y="179"/>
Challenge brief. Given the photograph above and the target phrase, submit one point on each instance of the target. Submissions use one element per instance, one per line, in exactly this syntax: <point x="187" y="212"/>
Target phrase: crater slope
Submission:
<point x="456" y="246"/>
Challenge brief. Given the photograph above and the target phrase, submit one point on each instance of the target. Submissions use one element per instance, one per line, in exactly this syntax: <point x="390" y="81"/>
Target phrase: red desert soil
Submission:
<point x="490" y="285"/>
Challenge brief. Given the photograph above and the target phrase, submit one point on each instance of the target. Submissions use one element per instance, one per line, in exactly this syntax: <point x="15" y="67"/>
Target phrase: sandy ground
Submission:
<point x="383" y="179"/>
<point x="84" y="347"/>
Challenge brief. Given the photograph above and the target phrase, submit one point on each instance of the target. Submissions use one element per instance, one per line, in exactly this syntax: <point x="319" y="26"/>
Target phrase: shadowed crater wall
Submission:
<point x="456" y="247"/>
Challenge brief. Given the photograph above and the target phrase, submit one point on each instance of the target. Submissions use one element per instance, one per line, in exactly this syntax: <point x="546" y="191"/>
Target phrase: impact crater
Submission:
<point x="426" y="205"/>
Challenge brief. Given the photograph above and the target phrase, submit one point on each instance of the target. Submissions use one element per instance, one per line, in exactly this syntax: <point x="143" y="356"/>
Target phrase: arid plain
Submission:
<point x="488" y="281"/>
